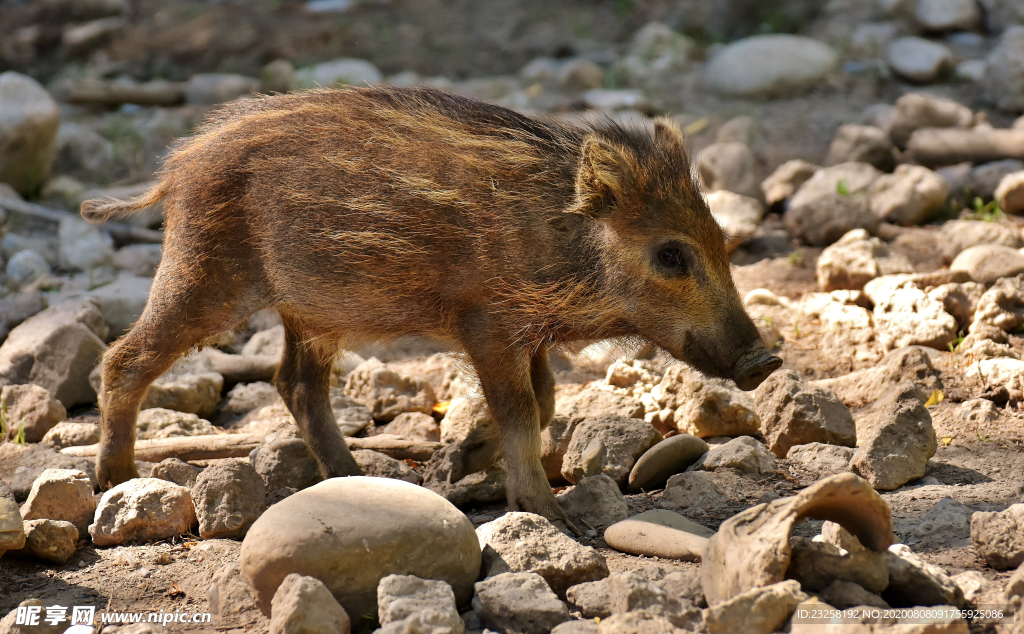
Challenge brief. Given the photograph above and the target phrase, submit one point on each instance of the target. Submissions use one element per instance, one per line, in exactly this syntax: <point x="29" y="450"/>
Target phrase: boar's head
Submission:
<point x="663" y="259"/>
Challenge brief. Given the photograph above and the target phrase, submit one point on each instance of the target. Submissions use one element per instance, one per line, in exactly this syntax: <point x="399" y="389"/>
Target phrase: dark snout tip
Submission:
<point x="752" y="373"/>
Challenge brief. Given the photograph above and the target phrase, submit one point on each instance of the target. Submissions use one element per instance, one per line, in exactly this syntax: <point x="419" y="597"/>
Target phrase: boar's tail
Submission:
<point x="99" y="210"/>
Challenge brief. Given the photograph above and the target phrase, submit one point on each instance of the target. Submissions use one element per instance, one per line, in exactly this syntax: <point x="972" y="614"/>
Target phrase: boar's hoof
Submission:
<point x="752" y="370"/>
<point x="110" y="473"/>
<point x="751" y="549"/>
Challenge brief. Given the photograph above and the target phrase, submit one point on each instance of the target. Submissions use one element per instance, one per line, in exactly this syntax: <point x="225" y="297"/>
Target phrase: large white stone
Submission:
<point x="917" y="59"/>
<point x="142" y="509"/>
<point x="29" y="119"/>
<point x="769" y="65"/>
<point x="1004" y="74"/>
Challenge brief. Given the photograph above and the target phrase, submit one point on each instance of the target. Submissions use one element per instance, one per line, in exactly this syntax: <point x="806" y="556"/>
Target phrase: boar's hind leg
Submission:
<point x="520" y="390"/>
<point x="303" y="381"/>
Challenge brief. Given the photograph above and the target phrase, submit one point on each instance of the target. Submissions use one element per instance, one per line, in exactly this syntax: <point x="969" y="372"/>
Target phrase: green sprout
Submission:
<point x="796" y="258"/>
<point x="843" y="187"/>
<point x="20" y="438"/>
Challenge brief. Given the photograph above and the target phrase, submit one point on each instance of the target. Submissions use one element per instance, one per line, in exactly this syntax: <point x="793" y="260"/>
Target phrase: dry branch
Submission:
<point x="114" y="93"/>
<point x="947" y="146"/>
<point x="118" y="231"/>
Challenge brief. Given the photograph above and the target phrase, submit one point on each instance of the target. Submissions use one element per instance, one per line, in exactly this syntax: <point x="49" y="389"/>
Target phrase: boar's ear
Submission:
<point x="667" y="134"/>
<point x="602" y="177"/>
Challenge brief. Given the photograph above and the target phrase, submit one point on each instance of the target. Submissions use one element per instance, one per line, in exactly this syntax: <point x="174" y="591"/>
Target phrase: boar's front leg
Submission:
<point x="520" y="389"/>
<point x="304" y="380"/>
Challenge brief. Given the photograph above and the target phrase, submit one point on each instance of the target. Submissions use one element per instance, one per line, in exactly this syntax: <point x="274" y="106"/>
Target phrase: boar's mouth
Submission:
<point x="748" y="371"/>
<point x="753" y="367"/>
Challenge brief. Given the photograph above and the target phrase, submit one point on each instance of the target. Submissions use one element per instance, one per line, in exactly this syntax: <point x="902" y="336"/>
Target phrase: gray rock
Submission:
<point x="157" y="422"/>
<point x="639" y="622"/>
<point x="408" y="603"/>
<point x="704" y="407"/>
<point x="896" y="440"/>
<point x="352" y="532"/>
<point x="664" y="460"/>
<point x="286" y="463"/>
<point x="375" y="464"/>
<point x="595" y="501"/>
<point x="138" y="259"/>
<point x="122" y="301"/>
<point x="607" y="445"/>
<point x="729" y="166"/>
<point x="176" y="471"/>
<point x="72" y="434"/>
<point x="856" y="259"/>
<point x="197" y="393"/>
<point x="243" y="399"/>
<point x="817" y="564"/>
<point x="846" y="594"/>
<point x="744" y="454"/>
<point x="525" y="542"/>
<point x="659" y="533"/>
<point x="555" y="439"/>
<point x="769" y="65"/>
<point x="83" y="247"/>
<point x="477" y="488"/>
<point x="738" y="215"/>
<point x="919" y="110"/>
<point x="786" y="180"/>
<point x="20" y="465"/>
<point x="909" y="317"/>
<point x="12" y="527"/>
<point x="228" y="498"/>
<point x="278" y="76"/>
<point x="214" y="88"/>
<point x="596" y="402"/>
<point x="580" y="74"/>
<point x="903" y="364"/>
<point x="142" y="509"/>
<point x="304" y="605"/>
<point x="1000" y="14"/>
<point x="962" y="300"/>
<point x="985" y="263"/>
<point x="1002" y="305"/>
<point x="50" y="540"/>
<point x="948" y="522"/>
<point x="414" y="426"/>
<point x="83" y="153"/>
<point x="30" y="410"/>
<point x="387" y="393"/>
<point x="763" y="609"/>
<point x="269" y="341"/>
<point x="821" y="460"/>
<point x="827" y="206"/>
<point x="339" y="72"/>
<point x="703" y="491"/>
<point x="909" y="196"/>
<point x="591" y="599"/>
<point x="632" y="593"/>
<point x="1004" y="74"/>
<point x="29" y="119"/>
<point x="918" y="60"/>
<point x="27" y="266"/>
<point x="794" y="412"/>
<point x="518" y="602"/>
<point x="861" y="144"/>
<point x="61" y="494"/>
<point x="57" y="349"/>
<point x="228" y="593"/>
<point x="983" y="179"/>
<point x="913" y="582"/>
<point x="999" y="537"/>
<point x="947" y="15"/>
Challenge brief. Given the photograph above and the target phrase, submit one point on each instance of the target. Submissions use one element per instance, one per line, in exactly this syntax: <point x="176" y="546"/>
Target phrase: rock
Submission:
<point x="972" y="583"/>
<point x="909" y="317"/>
<point x="243" y="399"/>
<point x="786" y="180"/>
<point x="304" y="605"/>
<point x="482" y="487"/>
<point x="196" y="394"/>
<point x="408" y="603"/>
<point x="27" y="266"/>
<point x="738" y="215"/>
<point x="988" y="262"/>
<point x="157" y="422"/>
<point x="995" y="374"/>
<point x="793" y="412"/>
<point x="30" y="409"/>
<point x="595" y="500"/>
<point x="51" y="540"/>
<point x="856" y="259"/>
<point x="918" y="60"/>
<point x="1002" y="305"/>
<point x="958" y="235"/>
<point x="278" y="76"/>
<point x="728" y="166"/>
<point x="1015" y="585"/>
<point x="138" y="259"/>
<point x="266" y="342"/>
<point x="518" y="602"/>
<point x="414" y="426"/>
<point x="525" y="542"/>
<point x="72" y="434"/>
<point x="386" y="393"/>
<point x="914" y="582"/>
<point x="230" y="597"/>
<point x="176" y="471"/>
<point x="228" y="498"/>
<point x="769" y="65"/>
<point x="1004" y="73"/>
<point x="631" y="593"/>
<point x="377" y="465"/>
<point x="339" y="72"/>
<point x="592" y="402"/>
<point x="83" y="247"/>
<point x="580" y="74"/>
<point x="846" y="594"/>
<point x="816" y="564"/>
<point x="903" y="364"/>
<point x="286" y="463"/>
<point x="20" y="465"/>
<point x="665" y="459"/>
<point x="122" y="301"/>
<point x="759" y="610"/>
<point x="909" y="196"/>
<point x="821" y="460"/>
<point x="61" y="494"/>
<point x="961" y="301"/>
<point x="463" y="416"/>
<point x="12" y="527"/>
<point x="142" y="509"/>
<point x="616" y="99"/>
<point x="999" y="537"/>
<point x="56" y="349"/>
<point x="896" y="440"/>
<point x="744" y="454"/>
<point x="639" y="622"/>
<point x="827" y="206"/>
<point x="947" y="15"/>
<point x="704" y="407"/>
<point x="919" y="110"/>
<point x="1009" y="194"/>
<point x="214" y="88"/>
<point x="699" y="491"/>
<point x="576" y="627"/>
<point x="983" y="180"/>
<point x="752" y="548"/>
<point x="861" y="144"/>
<point x="591" y="599"/>
<point x="948" y="522"/>
<point x="352" y="532"/>
<point x="29" y="120"/>
<point x="659" y="533"/>
<point x="555" y="439"/>
<point x="607" y="445"/>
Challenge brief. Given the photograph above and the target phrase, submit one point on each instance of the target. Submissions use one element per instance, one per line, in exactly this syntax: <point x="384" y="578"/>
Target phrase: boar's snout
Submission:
<point x="754" y="367"/>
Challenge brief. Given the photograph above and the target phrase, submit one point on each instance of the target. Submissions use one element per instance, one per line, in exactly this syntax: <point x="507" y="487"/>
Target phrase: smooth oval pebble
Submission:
<point x="659" y="533"/>
<point x="664" y="460"/>
<point x="351" y="532"/>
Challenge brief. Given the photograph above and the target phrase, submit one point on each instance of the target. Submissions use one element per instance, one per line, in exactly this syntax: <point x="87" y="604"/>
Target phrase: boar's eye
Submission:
<point x="671" y="257"/>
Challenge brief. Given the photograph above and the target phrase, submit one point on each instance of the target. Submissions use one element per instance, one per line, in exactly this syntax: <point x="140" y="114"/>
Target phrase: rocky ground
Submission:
<point x="864" y="156"/>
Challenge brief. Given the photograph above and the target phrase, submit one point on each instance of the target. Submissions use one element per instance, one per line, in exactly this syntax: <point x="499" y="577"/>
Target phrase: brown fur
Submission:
<point x="369" y="214"/>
